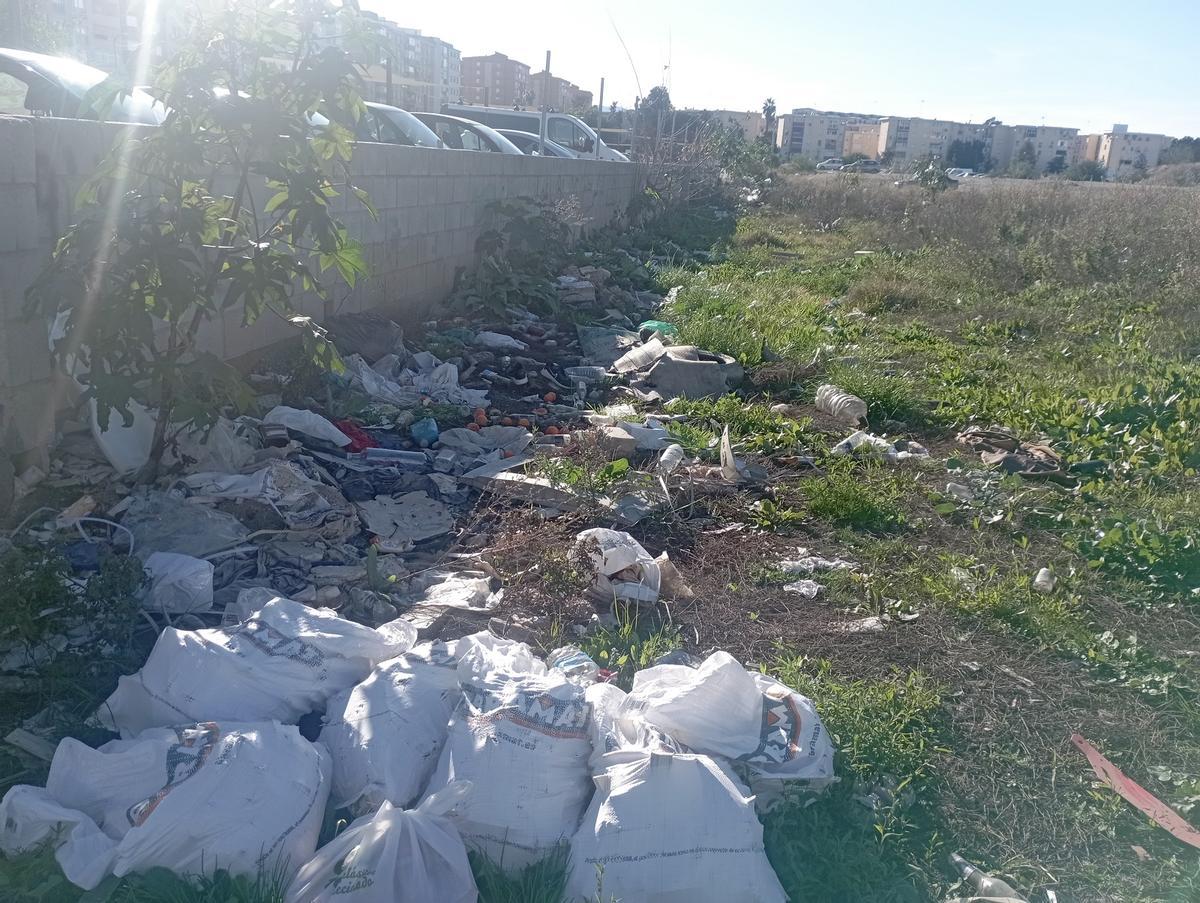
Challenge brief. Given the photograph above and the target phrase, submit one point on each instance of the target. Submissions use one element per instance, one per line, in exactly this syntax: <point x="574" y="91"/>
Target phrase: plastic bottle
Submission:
<point x="575" y="663"/>
<point x="845" y="407"/>
<point x="672" y="457"/>
<point x="395" y="456"/>
<point x="985" y="885"/>
<point x="424" y="432"/>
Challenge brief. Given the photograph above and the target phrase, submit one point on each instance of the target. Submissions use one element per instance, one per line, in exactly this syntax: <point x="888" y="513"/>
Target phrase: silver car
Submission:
<point x="463" y="134"/>
<point x="58" y="86"/>
<point x="532" y="144"/>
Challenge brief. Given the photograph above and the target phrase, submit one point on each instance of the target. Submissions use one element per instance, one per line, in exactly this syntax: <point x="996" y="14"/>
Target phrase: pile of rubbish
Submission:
<point x="234" y="740"/>
<point x="308" y="575"/>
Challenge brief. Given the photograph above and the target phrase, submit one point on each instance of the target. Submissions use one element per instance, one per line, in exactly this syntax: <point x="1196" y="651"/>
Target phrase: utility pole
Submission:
<point x="545" y="98"/>
<point x="391" y="94"/>
<point x="599" y="119"/>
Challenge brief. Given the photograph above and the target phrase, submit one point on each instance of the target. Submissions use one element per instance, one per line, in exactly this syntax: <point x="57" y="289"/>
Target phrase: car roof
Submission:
<point x="500" y="140"/>
<point x="79" y="78"/>
<point x="408" y="118"/>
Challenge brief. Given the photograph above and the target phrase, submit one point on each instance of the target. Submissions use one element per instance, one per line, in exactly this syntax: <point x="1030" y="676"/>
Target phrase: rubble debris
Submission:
<point x="165" y="523"/>
<point x="406" y="519"/>
<point x="307" y="423"/>
<point x="686" y="371"/>
<point x="1045" y="581"/>
<point x="722" y="709"/>
<point x="179" y="584"/>
<point x="393" y="856"/>
<point x="623" y="569"/>
<point x="806" y="563"/>
<point x="248" y="796"/>
<point x="386" y="733"/>
<point x="544" y="718"/>
<point x="841" y="405"/>
<point x="285" y="660"/>
<point x="862" y="443"/>
<point x="697" y="836"/>
<point x="999" y="447"/>
<point x="808" y="589"/>
<point x="368" y="335"/>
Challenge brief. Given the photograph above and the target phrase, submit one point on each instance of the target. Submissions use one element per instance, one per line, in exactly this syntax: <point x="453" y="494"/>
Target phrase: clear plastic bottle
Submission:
<point x="575" y="663"/>
<point x="985" y="885"/>
<point x="835" y="402"/>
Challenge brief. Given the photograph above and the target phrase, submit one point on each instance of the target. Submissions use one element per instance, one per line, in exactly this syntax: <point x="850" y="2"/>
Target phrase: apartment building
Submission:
<point x="751" y="122"/>
<point x="414" y="71"/>
<point x="495" y="80"/>
<point x="816" y="134"/>
<point x="1053" y="147"/>
<point x="102" y="33"/>
<point x="558" y="93"/>
<point x="861" y="138"/>
<point x="1123" y="153"/>
<point x="904" y="139"/>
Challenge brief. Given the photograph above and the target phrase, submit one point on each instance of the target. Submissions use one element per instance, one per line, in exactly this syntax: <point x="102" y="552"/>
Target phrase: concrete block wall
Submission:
<point x="430" y="203"/>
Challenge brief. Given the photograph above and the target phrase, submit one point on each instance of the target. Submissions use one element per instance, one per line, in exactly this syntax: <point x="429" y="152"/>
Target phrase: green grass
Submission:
<point x="847" y="497"/>
<point x="834" y="848"/>
<point x="544" y="881"/>
<point x="629" y="647"/>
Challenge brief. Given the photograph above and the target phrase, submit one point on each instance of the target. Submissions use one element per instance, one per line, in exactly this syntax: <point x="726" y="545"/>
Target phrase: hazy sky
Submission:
<point x="1081" y="63"/>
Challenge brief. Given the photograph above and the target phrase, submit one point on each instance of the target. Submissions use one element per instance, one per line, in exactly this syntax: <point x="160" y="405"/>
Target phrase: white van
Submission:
<point x="562" y="128"/>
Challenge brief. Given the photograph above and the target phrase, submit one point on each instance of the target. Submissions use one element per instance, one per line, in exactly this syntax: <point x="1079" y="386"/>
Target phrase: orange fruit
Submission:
<point x="523" y="422"/>
<point x="507" y="421"/>
<point x="550" y="397"/>
<point x="552" y="431"/>
<point x="473" y="427"/>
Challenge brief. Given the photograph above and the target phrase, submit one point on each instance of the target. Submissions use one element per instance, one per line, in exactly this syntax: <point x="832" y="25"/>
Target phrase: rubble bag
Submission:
<point x="393" y="856"/>
<point x="241" y="797"/>
<point x="520" y="736"/>
<point x="386" y="733"/>
<point x="722" y="709"/>
<point x="671" y="828"/>
<point x="282" y="662"/>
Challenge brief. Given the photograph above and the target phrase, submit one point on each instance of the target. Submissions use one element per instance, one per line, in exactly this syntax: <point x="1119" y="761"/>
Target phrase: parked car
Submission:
<point x="463" y="134"/>
<point x="391" y="125"/>
<point x="568" y="131"/>
<point x="831" y="165"/>
<point x="958" y="172"/>
<point x="862" y="166"/>
<point x="532" y="144"/>
<point x="33" y="83"/>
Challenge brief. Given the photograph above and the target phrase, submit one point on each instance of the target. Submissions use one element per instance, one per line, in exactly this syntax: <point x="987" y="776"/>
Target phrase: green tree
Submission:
<point x="226" y="206"/>
<point x="967" y="154"/>
<point x="854" y="157"/>
<point x="1056" y="165"/>
<point x="770" y="120"/>
<point x="1024" y="165"/>
<point x="1181" y="150"/>
<point x="1086" y="171"/>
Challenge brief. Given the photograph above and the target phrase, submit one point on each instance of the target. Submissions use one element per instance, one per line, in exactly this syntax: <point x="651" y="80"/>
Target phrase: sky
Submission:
<point x="1068" y="63"/>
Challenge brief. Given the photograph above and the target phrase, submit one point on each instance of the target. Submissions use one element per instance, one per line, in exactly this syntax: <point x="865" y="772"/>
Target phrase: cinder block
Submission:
<point x="18" y="270"/>
<point x="17" y="147"/>
<point x="18" y="217"/>
<point x="27" y="352"/>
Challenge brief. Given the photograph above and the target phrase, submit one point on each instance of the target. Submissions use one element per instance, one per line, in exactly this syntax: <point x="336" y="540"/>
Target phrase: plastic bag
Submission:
<point x="665" y="828"/>
<point x="624" y="570"/>
<point x="722" y="709"/>
<point x="282" y="662"/>
<point x="620" y="736"/>
<point x="164" y="523"/>
<point x="385" y="735"/>
<point x="309" y="423"/>
<point x="241" y="797"/>
<point x="393" y="856"/>
<point x="520" y="736"/>
<point x="179" y="583"/>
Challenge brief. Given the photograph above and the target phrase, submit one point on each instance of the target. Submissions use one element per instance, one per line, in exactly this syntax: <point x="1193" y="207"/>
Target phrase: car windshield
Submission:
<point x="413" y="129"/>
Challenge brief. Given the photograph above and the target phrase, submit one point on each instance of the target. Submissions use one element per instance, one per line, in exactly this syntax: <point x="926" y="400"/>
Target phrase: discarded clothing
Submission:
<point x="410" y="518"/>
<point x="1000" y="447"/>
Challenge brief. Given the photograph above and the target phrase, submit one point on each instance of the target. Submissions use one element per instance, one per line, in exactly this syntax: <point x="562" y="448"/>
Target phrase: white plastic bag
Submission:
<point x="619" y="736"/>
<point x="520" y="736"/>
<point x="624" y="570"/>
<point x="667" y="828"/>
<point x="385" y="735"/>
<point x="179" y="583"/>
<point x="393" y="856"/>
<point x="722" y="709"/>
<point x="309" y="423"/>
<point x="241" y="797"/>
<point x="282" y="662"/>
